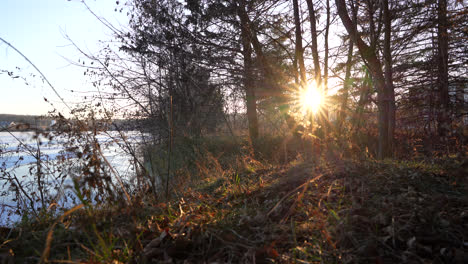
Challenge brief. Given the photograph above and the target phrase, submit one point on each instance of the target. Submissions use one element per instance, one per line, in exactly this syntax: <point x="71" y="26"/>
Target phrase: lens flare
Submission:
<point x="310" y="99"/>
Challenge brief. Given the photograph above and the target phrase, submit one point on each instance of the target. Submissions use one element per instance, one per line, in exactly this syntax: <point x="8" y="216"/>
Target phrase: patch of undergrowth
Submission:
<point x="406" y="212"/>
<point x="309" y="211"/>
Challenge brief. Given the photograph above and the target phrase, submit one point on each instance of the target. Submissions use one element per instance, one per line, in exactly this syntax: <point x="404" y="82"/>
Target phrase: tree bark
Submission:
<point x="251" y="34"/>
<point x="442" y="78"/>
<point x="389" y="88"/>
<point x="299" y="54"/>
<point x="248" y="79"/>
<point x="325" y="63"/>
<point x="313" y="31"/>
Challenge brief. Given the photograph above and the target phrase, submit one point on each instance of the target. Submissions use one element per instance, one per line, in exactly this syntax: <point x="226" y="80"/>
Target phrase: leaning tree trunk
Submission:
<point x="369" y="56"/>
<point x="347" y="80"/>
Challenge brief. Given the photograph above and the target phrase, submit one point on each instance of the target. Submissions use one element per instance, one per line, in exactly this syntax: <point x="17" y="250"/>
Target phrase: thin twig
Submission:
<point x="39" y="71"/>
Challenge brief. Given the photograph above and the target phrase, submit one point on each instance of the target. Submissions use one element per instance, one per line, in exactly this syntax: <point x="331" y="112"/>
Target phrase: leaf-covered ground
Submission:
<point x="336" y="212"/>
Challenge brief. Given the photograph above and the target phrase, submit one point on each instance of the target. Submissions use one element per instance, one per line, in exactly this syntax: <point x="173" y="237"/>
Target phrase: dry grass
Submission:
<point x="305" y="212"/>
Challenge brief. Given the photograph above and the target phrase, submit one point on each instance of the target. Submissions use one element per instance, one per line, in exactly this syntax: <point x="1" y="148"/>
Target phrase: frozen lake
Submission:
<point x="19" y="152"/>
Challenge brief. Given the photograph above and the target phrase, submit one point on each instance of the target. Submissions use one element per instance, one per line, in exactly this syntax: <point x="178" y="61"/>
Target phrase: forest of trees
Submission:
<point x="393" y="73"/>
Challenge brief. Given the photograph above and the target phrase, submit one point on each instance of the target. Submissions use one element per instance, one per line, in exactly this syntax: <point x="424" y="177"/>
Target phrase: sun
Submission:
<point x="310" y="99"/>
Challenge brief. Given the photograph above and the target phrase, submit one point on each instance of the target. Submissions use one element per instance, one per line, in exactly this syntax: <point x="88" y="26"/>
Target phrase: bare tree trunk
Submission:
<point x="442" y="78"/>
<point x="246" y="25"/>
<point x="248" y="80"/>
<point x="313" y="31"/>
<point x="325" y="65"/>
<point x="299" y="54"/>
<point x="296" y="71"/>
<point x="369" y="56"/>
<point x="389" y="89"/>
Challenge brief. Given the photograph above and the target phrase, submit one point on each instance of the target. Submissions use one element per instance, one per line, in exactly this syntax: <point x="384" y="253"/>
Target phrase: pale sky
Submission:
<point x="37" y="29"/>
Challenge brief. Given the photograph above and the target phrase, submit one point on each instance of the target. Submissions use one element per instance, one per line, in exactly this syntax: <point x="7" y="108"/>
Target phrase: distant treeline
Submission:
<point x="29" y="119"/>
<point x="45" y="121"/>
